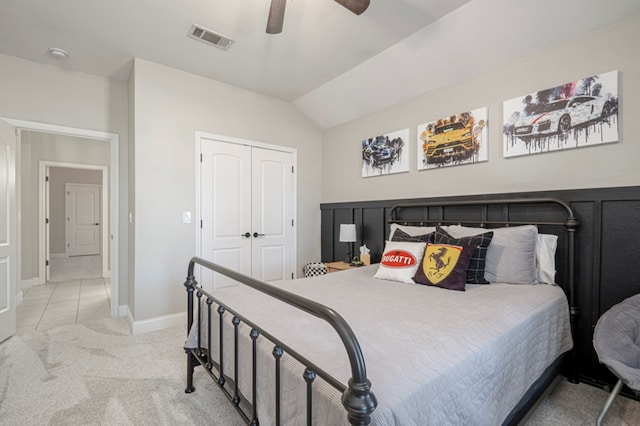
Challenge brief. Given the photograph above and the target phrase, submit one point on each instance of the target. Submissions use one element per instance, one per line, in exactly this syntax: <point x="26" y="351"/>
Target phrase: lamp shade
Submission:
<point x="347" y="233"/>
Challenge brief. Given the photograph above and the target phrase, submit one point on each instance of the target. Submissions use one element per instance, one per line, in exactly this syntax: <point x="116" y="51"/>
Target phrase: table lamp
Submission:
<point x="348" y="235"/>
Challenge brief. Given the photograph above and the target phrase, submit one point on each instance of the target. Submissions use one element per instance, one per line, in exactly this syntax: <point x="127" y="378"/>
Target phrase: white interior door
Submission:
<point x="247" y="210"/>
<point x="8" y="227"/>
<point x="272" y="218"/>
<point x="225" y="210"/>
<point x="83" y="219"/>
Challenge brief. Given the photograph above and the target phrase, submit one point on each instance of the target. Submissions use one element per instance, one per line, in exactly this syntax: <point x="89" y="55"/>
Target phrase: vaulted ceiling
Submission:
<point x="333" y="65"/>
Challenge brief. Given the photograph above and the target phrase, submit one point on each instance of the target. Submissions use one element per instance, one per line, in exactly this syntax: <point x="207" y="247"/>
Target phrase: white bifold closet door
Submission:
<point x="247" y="211"/>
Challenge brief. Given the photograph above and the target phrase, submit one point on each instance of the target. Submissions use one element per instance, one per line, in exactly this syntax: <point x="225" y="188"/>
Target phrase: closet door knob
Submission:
<point x="246" y="235"/>
<point x="256" y="235"/>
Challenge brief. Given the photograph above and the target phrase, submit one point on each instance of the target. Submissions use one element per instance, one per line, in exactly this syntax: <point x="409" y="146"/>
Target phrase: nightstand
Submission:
<point x="338" y="266"/>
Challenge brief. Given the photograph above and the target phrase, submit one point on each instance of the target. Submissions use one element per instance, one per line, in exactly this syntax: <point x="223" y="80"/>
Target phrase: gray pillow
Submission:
<point x="511" y="256"/>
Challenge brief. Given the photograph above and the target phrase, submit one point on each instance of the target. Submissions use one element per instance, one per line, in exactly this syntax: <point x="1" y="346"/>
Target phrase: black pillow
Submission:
<point x="401" y="236"/>
<point x="444" y="266"/>
<point x="475" y="270"/>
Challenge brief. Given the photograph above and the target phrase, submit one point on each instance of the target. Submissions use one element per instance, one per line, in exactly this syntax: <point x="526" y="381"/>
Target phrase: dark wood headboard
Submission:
<point x="607" y="268"/>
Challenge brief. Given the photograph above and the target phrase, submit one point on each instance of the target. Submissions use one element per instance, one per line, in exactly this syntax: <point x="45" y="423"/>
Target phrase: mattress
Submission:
<point x="433" y="356"/>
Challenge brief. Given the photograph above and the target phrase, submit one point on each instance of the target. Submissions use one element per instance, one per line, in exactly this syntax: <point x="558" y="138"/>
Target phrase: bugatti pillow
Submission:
<point x="400" y="261"/>
<point x="480" y="243"/>
<point x="400" y="235"/>
<point x="444" y="265"/>
<point x="511" y="256"/>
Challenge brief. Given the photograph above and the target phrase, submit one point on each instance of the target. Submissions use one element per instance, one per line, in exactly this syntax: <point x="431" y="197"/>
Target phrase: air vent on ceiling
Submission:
<point x="210" y="37"/>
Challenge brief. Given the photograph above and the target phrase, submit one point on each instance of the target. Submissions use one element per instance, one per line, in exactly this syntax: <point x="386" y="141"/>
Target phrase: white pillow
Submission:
<point x="546" y="258"/>
<point x="511" y="256"/>
<point x="411" y="230"/>
<point x="400" y="261"/>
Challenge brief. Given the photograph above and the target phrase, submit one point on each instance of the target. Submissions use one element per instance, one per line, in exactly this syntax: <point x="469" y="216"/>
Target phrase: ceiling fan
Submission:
<point x="276" y="12"/>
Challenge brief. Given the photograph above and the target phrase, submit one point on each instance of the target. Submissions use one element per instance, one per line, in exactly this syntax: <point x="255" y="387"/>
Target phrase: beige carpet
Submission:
<point x="577" y="405"/>
<point x="99" y="374"/>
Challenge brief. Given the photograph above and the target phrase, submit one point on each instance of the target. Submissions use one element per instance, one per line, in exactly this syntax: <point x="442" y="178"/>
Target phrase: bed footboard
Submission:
<point x="357" y="398"/>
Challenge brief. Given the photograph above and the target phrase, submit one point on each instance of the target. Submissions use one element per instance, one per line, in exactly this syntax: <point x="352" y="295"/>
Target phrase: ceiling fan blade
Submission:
<point x="276" y="16"/>
<point x="356" y="6"/>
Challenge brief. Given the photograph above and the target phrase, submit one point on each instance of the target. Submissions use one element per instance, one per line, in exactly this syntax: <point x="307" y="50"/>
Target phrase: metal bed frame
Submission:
<point x="357" y="397"/>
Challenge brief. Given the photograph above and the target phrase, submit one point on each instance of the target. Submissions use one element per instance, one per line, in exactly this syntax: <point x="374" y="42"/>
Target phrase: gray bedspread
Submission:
<point x="433" y="356"/>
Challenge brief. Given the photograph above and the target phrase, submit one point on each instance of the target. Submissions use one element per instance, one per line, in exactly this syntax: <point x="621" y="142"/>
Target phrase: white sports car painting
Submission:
<point x="573" y="115"/>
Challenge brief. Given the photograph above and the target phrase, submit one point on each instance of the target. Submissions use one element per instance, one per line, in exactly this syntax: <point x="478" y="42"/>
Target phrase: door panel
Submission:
<point x="226" y="209"/>
<point x="4" y="282"/>
<point x="272" y="204"/>
<point x="8" y="275"/>
<point x="270" y="260"/>
<point x="83" y="219"/>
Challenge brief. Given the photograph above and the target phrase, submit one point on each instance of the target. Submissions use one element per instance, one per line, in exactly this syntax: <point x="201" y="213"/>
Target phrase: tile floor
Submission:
<point x="62" y="303"/>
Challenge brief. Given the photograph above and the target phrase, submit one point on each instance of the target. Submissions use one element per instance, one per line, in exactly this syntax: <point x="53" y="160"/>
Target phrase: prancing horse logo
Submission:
<point x="437" y="259"/>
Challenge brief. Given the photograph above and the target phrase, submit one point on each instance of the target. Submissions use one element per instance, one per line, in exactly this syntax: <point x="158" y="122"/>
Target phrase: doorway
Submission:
<point x="82" y="207"/>
<point x="110" y="229"/>
<point x="56" y="244"/>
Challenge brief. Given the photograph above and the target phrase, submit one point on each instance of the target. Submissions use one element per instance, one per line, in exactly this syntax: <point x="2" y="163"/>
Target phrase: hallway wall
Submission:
<point x="48" y="94"/>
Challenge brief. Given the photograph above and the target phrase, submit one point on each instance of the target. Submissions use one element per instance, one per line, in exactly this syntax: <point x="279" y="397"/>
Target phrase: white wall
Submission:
<point x="131" y="293"/>
<point x="612" y="48"/>
<point x="47" y="94"/>
<point x="28" y="196"/>
<point x="169" y="107"/>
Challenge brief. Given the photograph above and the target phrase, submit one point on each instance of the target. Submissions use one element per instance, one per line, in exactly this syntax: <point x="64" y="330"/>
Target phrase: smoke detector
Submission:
<point x="58" y="53"/>
<point x="213" y="38"/>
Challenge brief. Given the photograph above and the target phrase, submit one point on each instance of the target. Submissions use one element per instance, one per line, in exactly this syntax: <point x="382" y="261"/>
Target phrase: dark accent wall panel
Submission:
<point x="608" y="262"/>
<point x="326" y="229"/>
<point x="373" y="227"/>
<point x="620" y="254"/>
<point x="340" y="216"/>
<point x="585" y="273"/>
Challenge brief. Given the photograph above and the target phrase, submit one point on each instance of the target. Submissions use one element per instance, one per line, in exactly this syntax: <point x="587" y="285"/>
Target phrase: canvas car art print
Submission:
<point x="573" y="115"/>
<point x="457" y="139"/>
<point x="385" y="154"/>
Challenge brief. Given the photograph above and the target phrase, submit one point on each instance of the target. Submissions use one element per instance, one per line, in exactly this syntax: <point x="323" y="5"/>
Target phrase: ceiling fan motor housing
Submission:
<point x="276" y="12"/>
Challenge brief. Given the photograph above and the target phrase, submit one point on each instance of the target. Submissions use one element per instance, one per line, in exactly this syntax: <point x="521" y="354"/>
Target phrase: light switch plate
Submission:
<point x="186" y="217"/>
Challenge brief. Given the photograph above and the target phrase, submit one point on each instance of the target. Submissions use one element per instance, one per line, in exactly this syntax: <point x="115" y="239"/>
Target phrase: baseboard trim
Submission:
<point x="27" y="284"/>
<point x="157" y="323"/>
<point x="129" y="318"/>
